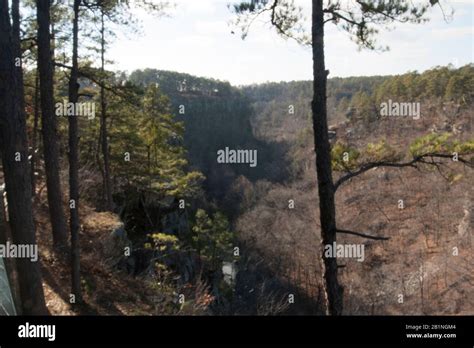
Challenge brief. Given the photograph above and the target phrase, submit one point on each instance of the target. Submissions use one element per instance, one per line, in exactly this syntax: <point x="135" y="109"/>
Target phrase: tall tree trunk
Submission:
<point x="16" y="47"/>
<point x="107" y="185"/>
<point x="327" y="210"/>
<point x="11" y="264"/>
<point x="14" y="149"/>
<point x="34" y="140"/>
<point x="49" y="127"/>
<point x="74" y="164"/>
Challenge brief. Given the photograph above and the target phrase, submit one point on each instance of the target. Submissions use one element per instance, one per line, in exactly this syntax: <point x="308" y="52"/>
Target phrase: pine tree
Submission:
<point x="49" y="125"/>
<point x="16" y="169"/>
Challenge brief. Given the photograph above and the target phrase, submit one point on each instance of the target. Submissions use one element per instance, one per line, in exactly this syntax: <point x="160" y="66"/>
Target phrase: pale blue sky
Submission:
<point x="196" y="39"/>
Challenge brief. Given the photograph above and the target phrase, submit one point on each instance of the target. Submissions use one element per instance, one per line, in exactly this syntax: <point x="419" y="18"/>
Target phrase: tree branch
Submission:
<point x="362" y="235"/>
<point x="337" y="15"/>
<point x="413" y="163"/>
<point x="368" y="166"/>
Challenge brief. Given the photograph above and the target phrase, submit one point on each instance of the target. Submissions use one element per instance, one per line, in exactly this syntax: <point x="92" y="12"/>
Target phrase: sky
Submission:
<point x="195" y="37"/>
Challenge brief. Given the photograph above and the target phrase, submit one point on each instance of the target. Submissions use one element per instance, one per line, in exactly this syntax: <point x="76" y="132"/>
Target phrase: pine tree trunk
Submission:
<point x="49" y="127"/>
<point x="34" y="140"/>
<point x="327" y="210"/>
<point x="74" y="164"/>
<point x="11" y="264"/>
<point x="107" y="185"/>
<point x="13" y="142"/>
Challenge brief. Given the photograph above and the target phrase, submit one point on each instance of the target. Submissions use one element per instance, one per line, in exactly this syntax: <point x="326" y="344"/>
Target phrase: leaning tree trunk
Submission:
<point x="14" y="149"/>
<point x="327" y="210"/>
<point x="49" y="127"/>
<point x="74" y="164"/>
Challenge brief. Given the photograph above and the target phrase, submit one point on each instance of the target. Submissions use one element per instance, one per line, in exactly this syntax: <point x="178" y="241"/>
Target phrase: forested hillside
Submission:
<point x="351" y="98"/>
<point x="422" y="261"/>
<point x="164" y="131"/>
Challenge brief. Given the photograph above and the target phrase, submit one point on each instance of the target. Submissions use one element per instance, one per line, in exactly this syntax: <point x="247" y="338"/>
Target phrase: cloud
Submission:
<point x="193" y="41"/>
<point x="197" y="7"/>
<point x="211" y="27"/>
<point x="452" y="32"/>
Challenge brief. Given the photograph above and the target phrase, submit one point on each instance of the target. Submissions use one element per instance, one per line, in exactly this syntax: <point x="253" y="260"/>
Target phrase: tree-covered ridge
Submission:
<point x="355" y="97"/>
<point x="174" y="83"/>
<point x="437" y="84"/>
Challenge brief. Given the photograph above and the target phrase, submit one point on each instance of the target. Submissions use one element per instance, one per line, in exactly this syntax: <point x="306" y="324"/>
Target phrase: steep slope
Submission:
<point x="426" y="266"/>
